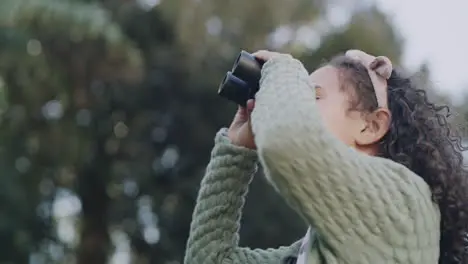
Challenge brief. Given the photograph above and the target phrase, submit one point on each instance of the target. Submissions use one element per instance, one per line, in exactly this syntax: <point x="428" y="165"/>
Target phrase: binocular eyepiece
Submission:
<point x="242" y="82"/>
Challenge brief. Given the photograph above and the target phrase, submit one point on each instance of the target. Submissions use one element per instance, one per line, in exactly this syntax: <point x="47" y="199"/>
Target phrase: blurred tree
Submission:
<point x="367" y="30"/>
<point x="53" y="53"/>
<point x="457" y="113"/>
<point x="116" y="101"/>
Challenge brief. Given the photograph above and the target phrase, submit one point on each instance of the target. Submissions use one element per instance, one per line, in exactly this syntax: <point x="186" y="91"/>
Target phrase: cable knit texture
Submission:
<point x="363" y="209"/>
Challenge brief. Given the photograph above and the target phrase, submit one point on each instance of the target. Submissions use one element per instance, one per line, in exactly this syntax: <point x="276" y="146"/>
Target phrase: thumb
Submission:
<point x="250" y="106"/>
<point x="242" y="111"/>
<point x="242" y="115"/>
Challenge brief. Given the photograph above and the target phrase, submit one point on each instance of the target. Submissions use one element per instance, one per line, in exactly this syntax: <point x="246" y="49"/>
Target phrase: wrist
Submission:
<point x="231" y="137"/>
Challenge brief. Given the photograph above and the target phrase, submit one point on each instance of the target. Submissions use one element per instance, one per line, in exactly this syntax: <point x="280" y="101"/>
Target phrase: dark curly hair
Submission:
<point x="421" y="139"/>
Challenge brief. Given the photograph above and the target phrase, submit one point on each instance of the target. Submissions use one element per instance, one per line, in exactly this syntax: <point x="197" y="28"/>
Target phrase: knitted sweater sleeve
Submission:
<point x="214" y="231"/>
<point x="364" y="209"/>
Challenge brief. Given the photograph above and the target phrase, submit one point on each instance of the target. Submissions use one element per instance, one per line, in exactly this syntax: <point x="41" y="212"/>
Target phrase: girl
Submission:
<point x="356" y="150"/>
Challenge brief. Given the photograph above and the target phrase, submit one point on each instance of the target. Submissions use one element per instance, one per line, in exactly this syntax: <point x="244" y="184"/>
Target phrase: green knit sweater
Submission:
<point x="363" y="209"/>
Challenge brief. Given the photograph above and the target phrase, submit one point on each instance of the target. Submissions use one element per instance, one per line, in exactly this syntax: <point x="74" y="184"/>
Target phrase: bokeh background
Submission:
<point x="108" y="109"/>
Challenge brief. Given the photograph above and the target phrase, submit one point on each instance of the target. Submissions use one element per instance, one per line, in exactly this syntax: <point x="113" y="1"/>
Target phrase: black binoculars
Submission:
<point x="242" y="82"/>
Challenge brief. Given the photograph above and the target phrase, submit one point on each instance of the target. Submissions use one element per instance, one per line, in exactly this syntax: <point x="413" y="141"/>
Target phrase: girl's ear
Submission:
<point x="374" y="128"/>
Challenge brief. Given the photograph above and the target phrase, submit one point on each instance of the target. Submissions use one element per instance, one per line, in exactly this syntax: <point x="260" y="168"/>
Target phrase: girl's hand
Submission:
<point x="266" y="55"/>
<point x="240" y="131"/>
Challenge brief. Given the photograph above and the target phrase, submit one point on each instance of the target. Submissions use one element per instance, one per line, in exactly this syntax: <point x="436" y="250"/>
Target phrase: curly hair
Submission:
<point x="421" y="139"/>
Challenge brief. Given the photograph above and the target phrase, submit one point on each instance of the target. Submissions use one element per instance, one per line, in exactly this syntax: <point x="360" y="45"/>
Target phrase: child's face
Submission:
<point x="334" y="106"/>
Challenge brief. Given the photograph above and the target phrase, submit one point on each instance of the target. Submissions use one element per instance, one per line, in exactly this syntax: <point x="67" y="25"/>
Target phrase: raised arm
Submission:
<point x="214" y="232"/>
<point x="362" y="207"/>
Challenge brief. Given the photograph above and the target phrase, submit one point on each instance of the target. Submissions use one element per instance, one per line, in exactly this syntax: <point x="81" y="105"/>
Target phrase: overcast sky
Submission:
<point x="435" y="31"/>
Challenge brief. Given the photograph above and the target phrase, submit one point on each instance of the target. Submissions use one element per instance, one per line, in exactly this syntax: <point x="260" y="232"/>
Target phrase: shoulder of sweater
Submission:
<point x="407" y="176"/>
<point x="412" y="186"/>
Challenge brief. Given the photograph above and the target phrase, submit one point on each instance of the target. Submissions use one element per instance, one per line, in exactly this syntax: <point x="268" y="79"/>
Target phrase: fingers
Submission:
<point x="262" y="54"/>
<point x="250" y="105"/>
<point x="265" y="55"/>
<point x="244" y="112"/>
<point x="241" y="110"/>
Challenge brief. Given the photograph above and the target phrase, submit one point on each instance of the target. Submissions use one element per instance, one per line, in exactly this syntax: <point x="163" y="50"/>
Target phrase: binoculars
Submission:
<point x="242" y="82"/>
